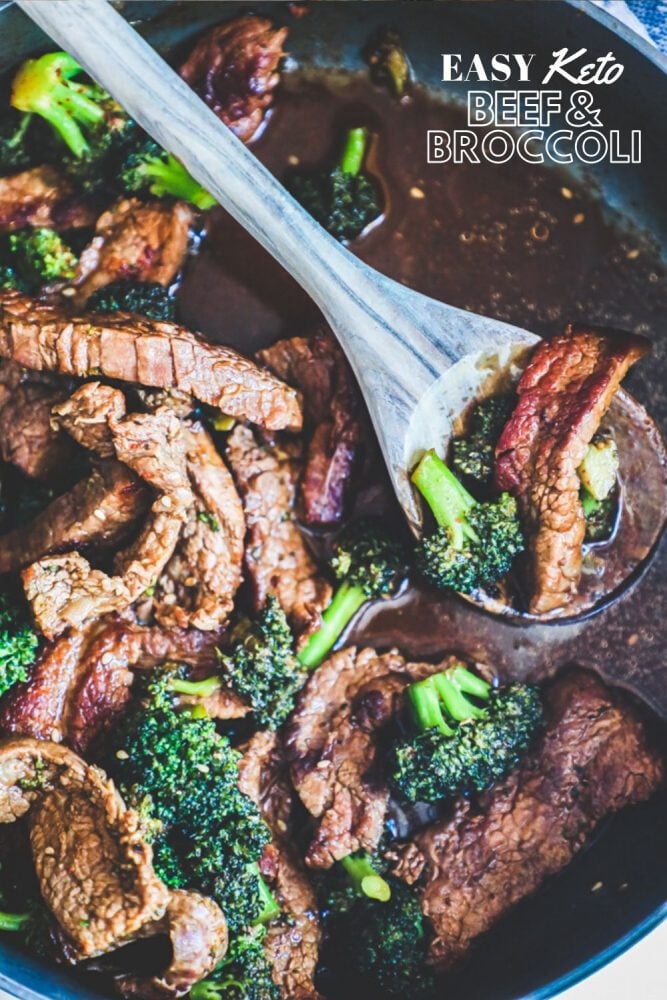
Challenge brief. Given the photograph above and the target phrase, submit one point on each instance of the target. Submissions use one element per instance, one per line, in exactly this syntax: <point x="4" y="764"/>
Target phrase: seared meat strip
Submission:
<point x="563" y="395"/>
<point x="331" y="744"/>
<point x="318" y="368"/>
<point x="200" y="581"/>
<point x="137" y="240"/>
<point x="135" y="349"/>
<point x="41" y="197"/>
<point x="94" y="869"/>
<point x="80" y="684"/>
<point x="27" y="439"/>
<point x="87" y="416"/>
<point x="293" y="940"/>
<point x="197" y="933"/>
<point x="277" y="559"/>
<point x="99" y="511"/>
<point x="234" y="69"/>
<point x="592" y="760"/>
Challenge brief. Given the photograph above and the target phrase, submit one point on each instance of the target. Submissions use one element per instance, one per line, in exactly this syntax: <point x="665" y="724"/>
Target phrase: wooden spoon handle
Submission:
<point x="151" y="92"/>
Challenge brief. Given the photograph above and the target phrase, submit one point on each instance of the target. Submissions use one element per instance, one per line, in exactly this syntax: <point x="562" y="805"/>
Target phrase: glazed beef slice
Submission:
<point x="563" y="394"/>
<point x="593" y="759"/>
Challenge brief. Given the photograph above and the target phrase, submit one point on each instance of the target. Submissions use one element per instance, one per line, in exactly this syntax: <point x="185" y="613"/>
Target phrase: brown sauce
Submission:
<point x="525" y="244"/>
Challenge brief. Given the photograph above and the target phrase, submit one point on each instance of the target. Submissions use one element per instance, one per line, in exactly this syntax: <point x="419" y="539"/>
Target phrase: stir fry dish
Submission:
<point x="206" y="789"/>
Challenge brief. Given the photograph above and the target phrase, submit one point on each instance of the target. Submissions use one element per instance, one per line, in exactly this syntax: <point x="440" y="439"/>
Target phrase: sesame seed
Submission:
<point x="293" y="160"/>
<point x="632" y="254"/>
<point x="578" y="218"/>
<point x="416" y="192"/>
<point x="566" y="193"/>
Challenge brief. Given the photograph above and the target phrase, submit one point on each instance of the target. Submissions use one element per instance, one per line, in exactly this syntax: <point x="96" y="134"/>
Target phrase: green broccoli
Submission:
<point x="18" y="644"/>
<point x="147" y="298"/>
<point x="473" y="455"/>
<point x="599" y="490"/>
<point x="385" y="945"/>
<point x="469" y="734"/>
<point x="260" y="666"/>
<point x="343" y="200"/>
<point x="42" y="256"/>
<point x="368" y="565"/>
<point x="15" y="153"/>
<point x="388" y="61"/>
<point x="245" y="973"/>
<point x="475" y="543"/>
<point x="600" y="515"/>
<point x="213" y="833"/>
<point x="149" y="169"/>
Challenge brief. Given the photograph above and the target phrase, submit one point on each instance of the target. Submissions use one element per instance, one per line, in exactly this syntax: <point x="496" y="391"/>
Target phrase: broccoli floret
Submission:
<point x="469" y="734"/>
<point x="363" y="877"/>
<point x="149" y="169"/>
<point x="47" y="86"/>
<point x="147" y="298"/>
<point x="260" y="666"/>
<point x="15" y="153"/>
<point x="388" y="62"/>
<point x="42" y="256"/>
<point x="385" y="944"/>
<point x="189" y="772"/>
<point x="18" y="645"/>
<point x="245" y="973"/>
<point x="368" y="565"/>
<point x="10" y="279"/>
<point x="600" y="515"/>
<point x="599" y="469"/>
<point x="343" y="200"/>
<point x="475" y="543"/>
<point x="473" y="456"/>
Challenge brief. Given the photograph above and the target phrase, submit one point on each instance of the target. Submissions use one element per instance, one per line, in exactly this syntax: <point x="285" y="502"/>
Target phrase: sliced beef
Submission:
<point x="139" y="350"/>
<point x="41" y="197"/>
<point x="332" y="404"/>
<point x="563" y="395"/>
<point x="27" y="438"/>
<point x="332" y="746"/>
<point x="94" y="869"/>
<point x="99" y="512"/>
<point x="87" y="416"/>
<point x="66" y="591"/>
<point x="197" y="933"/>
<point x="134" y="240"/>
<point x="200" y="581"/>
<point x="277" y="560"/>
<point x="234" y="68"/>
<point x="80" y="684"/>
<point x="593" y="760"/>
<point x="293" y="940"/>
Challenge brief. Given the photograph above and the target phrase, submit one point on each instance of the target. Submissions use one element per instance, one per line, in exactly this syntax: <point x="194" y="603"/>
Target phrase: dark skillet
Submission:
<point x="570" y="928"/>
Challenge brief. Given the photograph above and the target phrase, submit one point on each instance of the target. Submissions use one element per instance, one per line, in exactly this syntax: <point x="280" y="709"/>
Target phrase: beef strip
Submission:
<point x="94" y="869"/>
<point x="27" y="438"/>
<point x="197" y="933"/>
<point x="66" y="591"/>
<point x="563" y="395"/>
<point x="277" y="560"/>
<point x="87" y="416"/>
<point x="593" y="759"/>
<point x="80" y="684"/>
<point x="234" y="67"/>
<point x="134" y="240"/>
<point x="293" y="940"/>
<point x="200" y="581"/>
<point x="331" y="742"/>
<point x="40" y="197"/>
<point x="135" y="349"/>
<point x="99" y="511"/>
<point x="318" y="368"/>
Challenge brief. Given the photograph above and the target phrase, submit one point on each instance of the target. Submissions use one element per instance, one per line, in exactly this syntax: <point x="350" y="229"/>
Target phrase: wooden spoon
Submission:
<point x="419" y="362"/>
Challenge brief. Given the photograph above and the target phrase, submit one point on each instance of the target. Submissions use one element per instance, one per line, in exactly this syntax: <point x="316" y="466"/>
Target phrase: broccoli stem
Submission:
<point x="13" y="921"/>
<point x="588" y="502"/>
<point x="448" y="500"/>
<point x="447" y="690"/>
<point x="347" y="600"/>
<point x="170" y="177"/>
<point x="197" y="689"/>
<point x="355" y="149"/>
<point x="270" y="908"/>
<point x="365" y="880"/>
